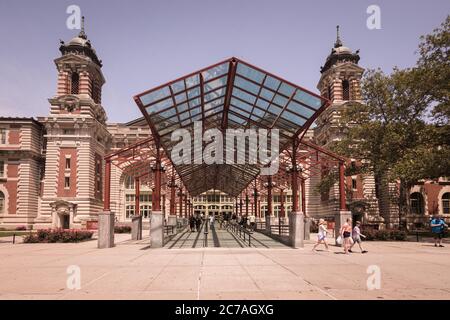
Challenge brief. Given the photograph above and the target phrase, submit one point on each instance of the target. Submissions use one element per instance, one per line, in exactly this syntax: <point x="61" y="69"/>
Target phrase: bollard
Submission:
<point x="14" y="238"/>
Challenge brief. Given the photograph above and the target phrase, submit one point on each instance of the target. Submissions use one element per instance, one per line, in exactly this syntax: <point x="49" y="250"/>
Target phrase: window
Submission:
<point x="345" y="90"/>
<point x="129" y="211"/>
<point x="354" y="184"/>
<point x="75" y="83"/>
<point x="2" y="168"/>
<point x="129" y="198"/>
<point x="66" y="182"/>
<point x="68" y="131"/>
<point x="145" y="210"/>
<point x="67" y="163"/>
<point x="446" y="203"/>
<point x="2" y="136"/>
<point x="417" y="206"/>
<point x="2" y="202"/>
<point x="129" y="183"/>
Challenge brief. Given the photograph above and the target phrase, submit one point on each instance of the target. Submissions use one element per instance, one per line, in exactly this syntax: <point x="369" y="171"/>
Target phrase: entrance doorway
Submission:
<point x="65" y="221"/>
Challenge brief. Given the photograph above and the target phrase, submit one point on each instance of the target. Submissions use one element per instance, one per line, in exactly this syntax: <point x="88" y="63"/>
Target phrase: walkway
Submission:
<point x="220" y="238"/>
<point x="409" y="270"/>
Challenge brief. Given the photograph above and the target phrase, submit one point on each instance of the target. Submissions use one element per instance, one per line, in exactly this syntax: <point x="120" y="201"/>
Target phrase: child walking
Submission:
<point x="356" y="235"/>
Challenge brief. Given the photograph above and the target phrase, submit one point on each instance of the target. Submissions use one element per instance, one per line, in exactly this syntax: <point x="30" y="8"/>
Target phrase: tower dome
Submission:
<point x="80" y="45"/>
<point x="339" y="53"/>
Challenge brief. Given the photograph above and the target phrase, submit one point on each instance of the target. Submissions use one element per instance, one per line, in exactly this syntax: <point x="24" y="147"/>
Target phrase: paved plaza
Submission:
<point x="132" y="270"/>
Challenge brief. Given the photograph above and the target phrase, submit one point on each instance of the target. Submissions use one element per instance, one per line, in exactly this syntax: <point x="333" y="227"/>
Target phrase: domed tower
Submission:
<point x="77" y="139"/>
<point x="339" y="82"/>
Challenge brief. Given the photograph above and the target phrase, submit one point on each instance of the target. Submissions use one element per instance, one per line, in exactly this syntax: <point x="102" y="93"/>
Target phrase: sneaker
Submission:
<point x="435" y="245"/>
<point x="441" y="246"/>
<point x="364" y="251"/>
<point x="350" y="251"/>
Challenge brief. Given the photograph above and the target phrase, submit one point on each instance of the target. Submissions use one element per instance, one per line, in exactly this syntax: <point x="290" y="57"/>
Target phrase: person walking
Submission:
<point x="322" y="235"/>
<point x="356" y="236"/>
<point x="211" y="220"/>
<point x="346" y="234"/>
<point x="198" y="223"/>
<point x="438" y="226"/>
<point x="252" y="220"/>
<point x="192" y="223"/>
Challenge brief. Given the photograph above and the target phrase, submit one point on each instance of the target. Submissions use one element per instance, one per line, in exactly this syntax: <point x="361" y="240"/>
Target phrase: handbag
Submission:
<point x="339" y="240"/>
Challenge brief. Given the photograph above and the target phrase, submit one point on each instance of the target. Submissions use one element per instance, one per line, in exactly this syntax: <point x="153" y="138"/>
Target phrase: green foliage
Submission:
<point x="58" y="235"/>
<point x="385" y="235"/>
<point x="122" y="229"/>
<point x="327" y="182"/>
<point x="401" y="131"/>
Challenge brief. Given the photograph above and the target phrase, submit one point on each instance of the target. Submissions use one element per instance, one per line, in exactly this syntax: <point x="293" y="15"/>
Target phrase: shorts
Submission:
<point x="321" y="237"/>
<point x="439" y="235"/>
<point x="357" y="239"/>
<point x="346" y="234"/>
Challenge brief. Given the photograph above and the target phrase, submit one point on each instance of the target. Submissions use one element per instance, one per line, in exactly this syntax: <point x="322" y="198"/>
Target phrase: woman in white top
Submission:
<point x="322" y="235"/>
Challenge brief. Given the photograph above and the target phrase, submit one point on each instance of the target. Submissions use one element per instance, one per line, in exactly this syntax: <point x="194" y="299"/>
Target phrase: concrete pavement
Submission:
<point x="133" y="271"/>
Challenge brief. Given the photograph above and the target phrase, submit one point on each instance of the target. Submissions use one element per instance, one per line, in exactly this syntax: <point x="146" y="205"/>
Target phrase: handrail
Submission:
<point x="241" y="231"/>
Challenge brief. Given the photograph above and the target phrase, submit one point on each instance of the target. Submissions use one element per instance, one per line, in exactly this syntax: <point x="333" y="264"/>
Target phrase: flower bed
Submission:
<point x="385" y="235"/>
<point x="58" y="235"/>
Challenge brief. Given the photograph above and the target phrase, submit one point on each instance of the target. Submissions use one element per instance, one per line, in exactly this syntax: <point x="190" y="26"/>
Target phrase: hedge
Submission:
<point x="122" y="229"/>
<point x="385" y="235"/>
<point x="58" y="235"/>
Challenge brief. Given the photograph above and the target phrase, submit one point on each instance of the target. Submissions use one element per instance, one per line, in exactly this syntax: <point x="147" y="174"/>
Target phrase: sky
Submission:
<point x="146" y="43"/>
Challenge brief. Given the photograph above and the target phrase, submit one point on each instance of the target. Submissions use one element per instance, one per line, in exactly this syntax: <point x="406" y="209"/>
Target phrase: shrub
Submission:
<point x="385" y="235"/>
<point x="122" y="229"/>
<point x="21" y="228"/>
<point x="58" y="235"/>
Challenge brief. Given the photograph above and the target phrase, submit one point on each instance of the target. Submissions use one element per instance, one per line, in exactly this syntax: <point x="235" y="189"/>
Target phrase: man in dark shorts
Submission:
<point x="437" y="228"/>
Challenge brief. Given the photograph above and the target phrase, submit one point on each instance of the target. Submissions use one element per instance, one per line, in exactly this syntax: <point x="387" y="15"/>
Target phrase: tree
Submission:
<point x="401" y="131"/>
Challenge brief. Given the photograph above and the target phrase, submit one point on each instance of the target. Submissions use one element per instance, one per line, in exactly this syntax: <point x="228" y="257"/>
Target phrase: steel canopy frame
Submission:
<point x="229" y="94"/>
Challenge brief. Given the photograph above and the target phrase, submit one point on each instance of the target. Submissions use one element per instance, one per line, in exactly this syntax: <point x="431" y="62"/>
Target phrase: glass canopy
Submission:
<point x="230" y="94"/>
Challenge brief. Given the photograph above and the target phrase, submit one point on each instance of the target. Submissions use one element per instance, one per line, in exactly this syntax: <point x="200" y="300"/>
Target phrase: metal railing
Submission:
<point x="169" y="229"/>
<point x="241" y="231"/>
<point x="280" y="229"/>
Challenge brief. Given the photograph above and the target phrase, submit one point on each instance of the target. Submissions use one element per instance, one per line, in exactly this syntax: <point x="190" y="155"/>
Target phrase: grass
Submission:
<point x="12" y="232"/>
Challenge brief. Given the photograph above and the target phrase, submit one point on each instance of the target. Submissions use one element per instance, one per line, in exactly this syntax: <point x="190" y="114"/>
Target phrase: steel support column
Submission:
<point x="106" y="202"/>
<point x="137" y="188"/>
<point x="342" y="204"/>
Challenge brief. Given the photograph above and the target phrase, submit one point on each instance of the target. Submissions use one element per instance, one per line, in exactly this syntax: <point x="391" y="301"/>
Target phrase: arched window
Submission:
<point x="75" y="83"/>
<point x="446" y="202"/>
<point x="2" y="202"/>
<point x="129" y="183"/>
<point x="345" y="90"/>
<point x="417" y="206"/>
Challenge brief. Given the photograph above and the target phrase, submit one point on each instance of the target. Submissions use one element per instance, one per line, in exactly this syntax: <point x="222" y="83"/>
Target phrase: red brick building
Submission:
<point x="51" y="169"/>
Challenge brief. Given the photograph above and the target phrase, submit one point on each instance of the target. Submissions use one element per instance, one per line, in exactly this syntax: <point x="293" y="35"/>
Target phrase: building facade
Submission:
<point x="51" y="169"/>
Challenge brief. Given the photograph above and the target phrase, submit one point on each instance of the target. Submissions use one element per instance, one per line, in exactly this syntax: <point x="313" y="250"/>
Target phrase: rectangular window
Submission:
<point x="67" y="163"/>
<point x="2" y="169"/>
<point x="2" y="136"/>
<point x="354" y="183"/>
<point x="68" y="131"/>
<point x="66" y="182"/>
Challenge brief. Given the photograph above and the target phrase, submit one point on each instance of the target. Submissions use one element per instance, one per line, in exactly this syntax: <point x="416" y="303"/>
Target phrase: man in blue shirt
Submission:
<point x="437" y="228"/>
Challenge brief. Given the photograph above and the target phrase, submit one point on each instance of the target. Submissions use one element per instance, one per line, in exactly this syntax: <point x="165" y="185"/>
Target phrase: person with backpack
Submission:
<point x="438" y="226"/>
